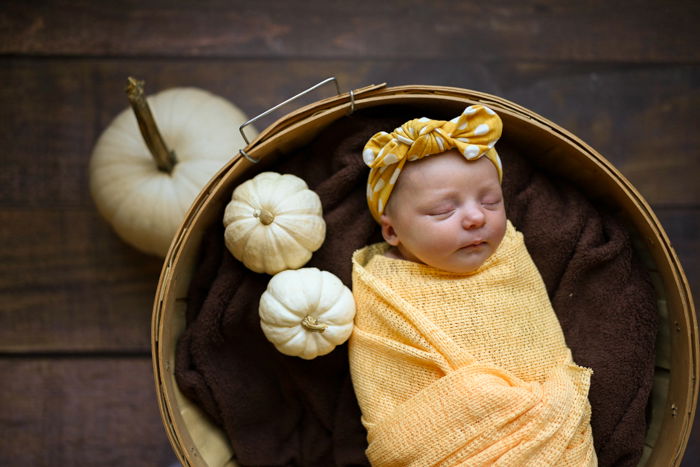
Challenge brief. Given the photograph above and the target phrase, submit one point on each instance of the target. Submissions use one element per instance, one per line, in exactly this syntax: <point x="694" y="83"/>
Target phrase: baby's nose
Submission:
<point x="473" y="217"/>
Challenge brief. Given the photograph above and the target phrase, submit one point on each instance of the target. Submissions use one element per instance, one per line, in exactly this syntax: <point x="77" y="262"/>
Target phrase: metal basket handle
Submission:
<point x="270" y="110"/>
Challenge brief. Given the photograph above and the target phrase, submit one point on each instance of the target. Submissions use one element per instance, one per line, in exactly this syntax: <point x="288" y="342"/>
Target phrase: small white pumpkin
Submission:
<point x="273" y="222"/>
<point x="306" y="312"/>
<point x="143" y="188"/>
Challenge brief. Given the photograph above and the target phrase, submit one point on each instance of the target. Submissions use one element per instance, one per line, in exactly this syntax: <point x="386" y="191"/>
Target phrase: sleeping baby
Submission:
<point x="457" y="357"/>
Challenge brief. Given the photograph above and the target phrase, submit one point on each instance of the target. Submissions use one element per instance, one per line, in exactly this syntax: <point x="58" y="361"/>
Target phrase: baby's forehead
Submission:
<point x="434" y="176"/>
<point x="415" y="175"/>
<point x="433" y="168"/>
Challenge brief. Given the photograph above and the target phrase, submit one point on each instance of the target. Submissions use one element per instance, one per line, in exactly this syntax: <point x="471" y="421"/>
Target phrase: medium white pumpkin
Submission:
<point x="274" y="222"/>
<point x="306" y="312"/>
<point x="144" y="204"/>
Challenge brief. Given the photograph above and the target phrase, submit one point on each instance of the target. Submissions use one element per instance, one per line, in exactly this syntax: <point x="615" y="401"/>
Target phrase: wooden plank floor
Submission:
<point x="75" y="301"/>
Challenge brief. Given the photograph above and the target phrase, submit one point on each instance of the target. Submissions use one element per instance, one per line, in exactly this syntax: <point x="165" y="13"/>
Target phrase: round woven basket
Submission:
<point x="197" y="442"/>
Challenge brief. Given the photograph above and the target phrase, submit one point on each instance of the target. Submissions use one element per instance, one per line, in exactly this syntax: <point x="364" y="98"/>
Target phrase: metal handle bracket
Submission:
<point x="270" y="110"/>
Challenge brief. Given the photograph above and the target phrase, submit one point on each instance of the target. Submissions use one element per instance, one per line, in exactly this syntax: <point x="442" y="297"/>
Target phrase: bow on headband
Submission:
<point x="473" y="134"/>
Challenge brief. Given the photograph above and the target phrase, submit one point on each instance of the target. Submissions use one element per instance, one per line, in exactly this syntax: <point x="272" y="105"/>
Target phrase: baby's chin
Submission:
<point x="456" y="267"/>
<point x="464" y="261"/>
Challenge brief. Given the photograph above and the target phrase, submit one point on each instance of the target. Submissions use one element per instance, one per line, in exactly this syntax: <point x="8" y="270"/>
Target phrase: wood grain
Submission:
<point x="75" y="301"/>
<point x="682" y="226"/>
<point x="100" y="411"/>
<point x="67" y="283"/>
<point x="633" y="31"/>
<point x="639" y="119"/>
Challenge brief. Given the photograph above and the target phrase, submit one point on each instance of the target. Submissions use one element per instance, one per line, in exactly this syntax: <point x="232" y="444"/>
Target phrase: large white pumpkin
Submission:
<point x="145" y="205"/>
<point x="306" y="312"/>
<point x="273" y="222"/>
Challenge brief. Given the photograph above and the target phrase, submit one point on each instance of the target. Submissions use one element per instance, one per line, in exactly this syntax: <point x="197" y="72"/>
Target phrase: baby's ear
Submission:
<point x="388" y="231"/>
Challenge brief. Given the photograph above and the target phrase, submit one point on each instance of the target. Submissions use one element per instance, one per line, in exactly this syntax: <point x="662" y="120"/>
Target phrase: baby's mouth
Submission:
<point x="474" y="244"/>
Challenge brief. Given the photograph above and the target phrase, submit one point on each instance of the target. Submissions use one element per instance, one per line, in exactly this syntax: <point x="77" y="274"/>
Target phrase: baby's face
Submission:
<point x="446" y="212"/>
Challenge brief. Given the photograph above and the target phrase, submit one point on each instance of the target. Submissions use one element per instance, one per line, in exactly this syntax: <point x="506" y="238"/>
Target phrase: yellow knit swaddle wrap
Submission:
<point x="472" y="369"/>
<point x="474" y="134"/>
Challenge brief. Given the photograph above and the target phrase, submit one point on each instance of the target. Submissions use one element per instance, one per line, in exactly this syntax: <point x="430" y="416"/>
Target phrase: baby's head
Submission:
<point x="446" y="207"/>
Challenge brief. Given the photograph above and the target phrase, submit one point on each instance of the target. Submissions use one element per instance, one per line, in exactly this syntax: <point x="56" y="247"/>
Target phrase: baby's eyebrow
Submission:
<point x="441" y="191"/>
<point x="437" y="201"/>
<point x="432" y="194"/>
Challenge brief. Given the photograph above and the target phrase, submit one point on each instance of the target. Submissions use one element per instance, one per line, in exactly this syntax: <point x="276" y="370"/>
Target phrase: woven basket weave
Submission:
<point x="197" y="442"/>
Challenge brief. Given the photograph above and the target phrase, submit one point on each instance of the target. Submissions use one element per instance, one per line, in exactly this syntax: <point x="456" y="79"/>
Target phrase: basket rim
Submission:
<point x="374" y="95"/>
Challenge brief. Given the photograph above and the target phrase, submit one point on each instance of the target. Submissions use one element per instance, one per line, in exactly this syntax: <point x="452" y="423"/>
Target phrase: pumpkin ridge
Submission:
<point x="190" y="175"/>
<point x="298" y="212"/>
<point x="279" y="234"/>
<point x="271" y="332"/>
<point x="285" y="190"/>
<point x="177" y="125"/>
<point x="116" y="150"/>
<point x="136" y="190"/>
<point x="291" y="320"/>
<point x="285" y="289"/>
<point x="185" y="199"/>
<point x="126" y="127"/>
<point x="300" y="339"/>
<point x="333" y="315"/>
<point x="272" y="237"/>
<point x="340" y="300"/>
<point x="304" y="296"/>
<point x="326" y="291"/>
<point x="161" y="218"/>
<point x="236" y="211"/>
<point x="247" y="192"/>
<point x="249" y="254"/>
<point x="135" y="164"/>
<point x="261" y="188"/>
<point x="310" y="281"/>
<point x="127" y="174"/>
<point x="242" y="238"/>
<point x="128" y="170"/>
<point x="288" y="237"/>
<point x="109" y="205"/>
<point x="303" y="197"/>
<point x="298" y="237"/>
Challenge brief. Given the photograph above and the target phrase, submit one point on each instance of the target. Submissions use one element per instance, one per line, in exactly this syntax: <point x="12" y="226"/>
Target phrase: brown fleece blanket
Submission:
<point x="279" y="410"/>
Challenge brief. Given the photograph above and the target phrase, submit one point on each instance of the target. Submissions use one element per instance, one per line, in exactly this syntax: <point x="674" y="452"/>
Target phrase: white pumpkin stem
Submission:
<point x="165" y="159"/>
<point x="310" y="323"/>
<point x="265" y="216"/>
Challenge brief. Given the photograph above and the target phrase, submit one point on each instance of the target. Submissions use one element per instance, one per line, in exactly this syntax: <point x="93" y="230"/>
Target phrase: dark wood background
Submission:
<point x="75" y="302"/>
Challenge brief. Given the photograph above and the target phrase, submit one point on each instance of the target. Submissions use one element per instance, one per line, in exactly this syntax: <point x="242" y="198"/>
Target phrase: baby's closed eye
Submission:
<point x="441" y="210"/>
<point x="491" y="201"/>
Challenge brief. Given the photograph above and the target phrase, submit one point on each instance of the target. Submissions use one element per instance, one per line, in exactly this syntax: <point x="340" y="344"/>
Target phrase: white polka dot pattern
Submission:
<point x="474" y="134"/>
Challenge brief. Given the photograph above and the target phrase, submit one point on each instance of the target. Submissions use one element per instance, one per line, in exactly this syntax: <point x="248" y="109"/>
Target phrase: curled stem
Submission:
<point x="265" y="216"/>
<point x="165" y="159"/>
<point x="310" y="323"/>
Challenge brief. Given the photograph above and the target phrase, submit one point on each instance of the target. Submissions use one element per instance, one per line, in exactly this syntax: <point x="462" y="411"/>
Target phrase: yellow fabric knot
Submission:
<point x="474" y="134"/>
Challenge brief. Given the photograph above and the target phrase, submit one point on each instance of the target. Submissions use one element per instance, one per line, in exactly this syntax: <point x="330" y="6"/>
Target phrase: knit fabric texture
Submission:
<point x="471" y="369"/>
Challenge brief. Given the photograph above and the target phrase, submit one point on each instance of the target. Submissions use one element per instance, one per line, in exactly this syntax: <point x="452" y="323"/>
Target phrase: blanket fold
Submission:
<point x="279" y="410"/>
<point x="465" y="370"/>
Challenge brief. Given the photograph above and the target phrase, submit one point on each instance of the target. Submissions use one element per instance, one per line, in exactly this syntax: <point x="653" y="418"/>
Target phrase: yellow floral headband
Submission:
<point x="474" y="134"/>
